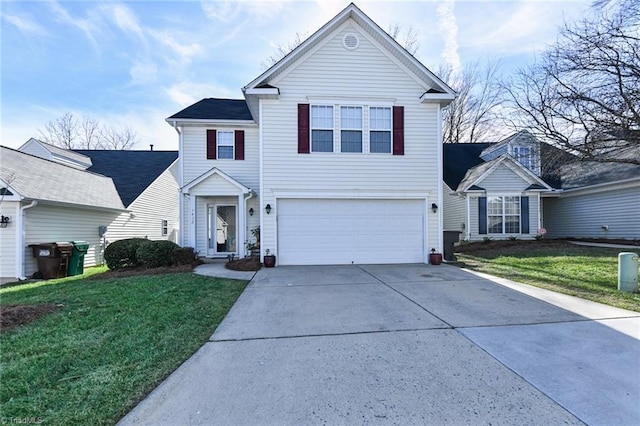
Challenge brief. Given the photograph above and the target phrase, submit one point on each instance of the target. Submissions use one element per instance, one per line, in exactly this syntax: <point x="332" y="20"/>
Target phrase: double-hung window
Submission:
<point x="225" y="144"/>
<point x="524" y="155"/>
<point x="503" y="215"/>
<point x="380" y="129"/>
<point x="351" y="129"/>
<point x="321" y="128"/>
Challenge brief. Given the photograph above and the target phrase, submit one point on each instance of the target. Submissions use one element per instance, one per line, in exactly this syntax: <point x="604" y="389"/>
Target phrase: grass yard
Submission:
<point x="587" y="272"/>
<point x="107" y="343"/>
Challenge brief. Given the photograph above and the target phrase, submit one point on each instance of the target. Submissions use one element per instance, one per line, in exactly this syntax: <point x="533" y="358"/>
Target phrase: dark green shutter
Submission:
<point x="482" y="215"/>
<point x="524" y="215"/>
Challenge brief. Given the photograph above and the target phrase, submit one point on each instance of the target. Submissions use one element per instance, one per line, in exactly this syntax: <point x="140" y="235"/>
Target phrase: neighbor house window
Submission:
<point x="165" y="227"/>
<point x="321" y="128"/>
<point x="350" y="129"/>
<point x="524" y="155"/>
<point x="225" y="144"/>
<point x="380" y="130"/>
<point x="503" y="215"/>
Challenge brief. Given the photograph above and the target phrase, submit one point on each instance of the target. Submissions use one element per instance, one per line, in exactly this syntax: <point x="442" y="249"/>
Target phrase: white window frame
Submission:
<point x="312" y="128"/>
<point x="356" y="129"/>
<point x="390" y="130"/>
<point x="231" y="144"/>
<point x="503" y="214"/>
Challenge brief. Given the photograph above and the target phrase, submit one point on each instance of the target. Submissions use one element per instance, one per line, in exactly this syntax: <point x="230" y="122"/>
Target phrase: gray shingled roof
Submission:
<point x="593" y="173"/>
<point x="39" y="179"/>
<point x="215" y="109"/>
<point x="66" y="153"/>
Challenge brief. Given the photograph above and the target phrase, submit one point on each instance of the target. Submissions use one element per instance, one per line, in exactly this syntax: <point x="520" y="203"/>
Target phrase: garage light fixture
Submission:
<point x="251" y="211"/>
<point x="434" y="207"/>
<point x="4" y="221"/>
<point x="268" y="208"/>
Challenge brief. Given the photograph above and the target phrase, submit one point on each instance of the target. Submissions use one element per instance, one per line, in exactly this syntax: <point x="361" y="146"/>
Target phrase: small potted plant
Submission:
<point x="435" y="258"/>
<point x="269" y="259"/>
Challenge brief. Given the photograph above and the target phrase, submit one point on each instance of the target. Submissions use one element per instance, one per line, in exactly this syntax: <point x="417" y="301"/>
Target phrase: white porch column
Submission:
<point x="192" y="222"/>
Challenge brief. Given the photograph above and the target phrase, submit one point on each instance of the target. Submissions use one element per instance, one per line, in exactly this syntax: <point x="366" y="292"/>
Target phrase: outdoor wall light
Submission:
<point x="4" y="221"/>
<point x="251" y="211"/>
<point x="268" y="208"/>
<point x="434" y="207"/>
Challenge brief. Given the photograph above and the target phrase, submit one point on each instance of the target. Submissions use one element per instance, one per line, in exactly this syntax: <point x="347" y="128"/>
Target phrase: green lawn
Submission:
<point x="587" y="272"/>
<point x="108" y="345"/>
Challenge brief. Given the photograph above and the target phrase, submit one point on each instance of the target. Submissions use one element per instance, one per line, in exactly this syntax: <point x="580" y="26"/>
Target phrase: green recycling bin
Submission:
<point x="76" y="261"/>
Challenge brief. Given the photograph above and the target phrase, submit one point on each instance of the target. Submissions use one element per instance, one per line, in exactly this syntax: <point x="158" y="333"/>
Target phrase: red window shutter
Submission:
<point x="239" y="142"/>
<point x="211" y="145"/>
<point x="398" y="130"/>
<point x="303" y="129"/>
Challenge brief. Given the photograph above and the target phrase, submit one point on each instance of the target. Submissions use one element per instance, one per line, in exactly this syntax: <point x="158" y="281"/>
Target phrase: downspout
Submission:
<point x="20" y="264"/>
<point x="180" y="180"/>
<point x="246" y="219"/>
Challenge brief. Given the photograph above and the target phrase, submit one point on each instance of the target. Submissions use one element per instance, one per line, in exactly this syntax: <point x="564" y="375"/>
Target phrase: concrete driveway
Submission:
<point x="405" y="344"/>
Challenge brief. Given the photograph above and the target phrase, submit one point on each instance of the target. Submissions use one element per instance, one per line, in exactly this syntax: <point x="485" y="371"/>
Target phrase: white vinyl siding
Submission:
<point x="583" y="215"/>
<point x="367" y="77"/>
<point x="454" y="211"/>
<point x="503" y="179"/>
<point x="156" y="203"/>
<point x="8" y="236"/>
<point x="47" y="223"/>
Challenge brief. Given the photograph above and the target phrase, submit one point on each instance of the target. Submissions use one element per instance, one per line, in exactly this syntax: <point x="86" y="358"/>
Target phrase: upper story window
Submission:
<point x="380" y="129"/>
<point x="225" y="144"/>
<point x="321" y="128"/>
<point x="524" y="155"/>
<point x="350" y="129"/>
<point x="165" y="227"/>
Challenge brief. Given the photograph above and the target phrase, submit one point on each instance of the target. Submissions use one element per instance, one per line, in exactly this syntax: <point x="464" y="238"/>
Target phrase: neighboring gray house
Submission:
<point x="520" y="187"/>
<point x="47" y="201"/>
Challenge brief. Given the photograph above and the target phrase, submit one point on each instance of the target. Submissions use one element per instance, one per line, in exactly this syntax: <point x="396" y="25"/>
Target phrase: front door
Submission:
<point x="223" y="229"/>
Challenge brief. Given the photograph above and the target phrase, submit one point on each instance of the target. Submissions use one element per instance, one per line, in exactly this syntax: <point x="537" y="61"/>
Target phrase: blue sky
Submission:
<point x="137" y="62"/>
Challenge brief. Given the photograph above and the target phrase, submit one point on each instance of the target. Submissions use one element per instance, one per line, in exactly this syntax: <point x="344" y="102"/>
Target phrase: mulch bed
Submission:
<point x="141" y="270"/>
<point x="522" y="246"/>
<point x="246" y="264"/>
<point x="12" y="316"/>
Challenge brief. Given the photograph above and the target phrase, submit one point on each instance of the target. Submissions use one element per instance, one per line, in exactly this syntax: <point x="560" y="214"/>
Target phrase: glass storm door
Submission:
<point x="223" y="229"/>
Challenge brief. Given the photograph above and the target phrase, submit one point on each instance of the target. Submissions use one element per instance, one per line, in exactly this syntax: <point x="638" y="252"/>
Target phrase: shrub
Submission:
<point x="512" y="238"/>
<point x="185" y="256"/>
<point x="154" y="254"/>
<point x="538" y="237"/>
<point x="123" y="253"/>
<point x="486" y="240"/>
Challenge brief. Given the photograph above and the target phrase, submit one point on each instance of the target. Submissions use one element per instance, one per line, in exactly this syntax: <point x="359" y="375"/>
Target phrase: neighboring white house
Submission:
<point x="507" y="189"/>
<point x="335" y="152"/>
<point x="46" y="201"/>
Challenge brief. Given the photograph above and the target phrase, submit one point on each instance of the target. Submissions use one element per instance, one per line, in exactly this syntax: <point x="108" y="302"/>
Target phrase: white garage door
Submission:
<point x="331" y="232"/>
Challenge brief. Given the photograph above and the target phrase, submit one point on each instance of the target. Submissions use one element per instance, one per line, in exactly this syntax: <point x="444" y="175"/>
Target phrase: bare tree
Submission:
<point x="62" y="132"/>
<point x="70" y="132"/>
<point x="283" y="50"/>
<point x="472" y="116"/>
<point x="118" y="138"/>
<point x="409" y="38"/>
<point x="584" y="94"/>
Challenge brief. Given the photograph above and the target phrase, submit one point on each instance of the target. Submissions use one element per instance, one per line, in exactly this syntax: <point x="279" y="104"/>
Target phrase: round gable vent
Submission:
<point x="350" y="41"/>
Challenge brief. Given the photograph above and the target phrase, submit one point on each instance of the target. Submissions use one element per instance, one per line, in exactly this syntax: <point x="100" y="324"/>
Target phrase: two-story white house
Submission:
<point x="335" y="152"/>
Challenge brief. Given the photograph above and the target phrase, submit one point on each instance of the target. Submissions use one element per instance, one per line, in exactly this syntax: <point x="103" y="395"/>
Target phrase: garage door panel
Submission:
<point x="350" y="231"/>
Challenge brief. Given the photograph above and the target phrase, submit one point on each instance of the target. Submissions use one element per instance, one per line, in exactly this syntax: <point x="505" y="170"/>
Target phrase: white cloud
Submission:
<point x="229" y="10"/>
<point x="88" y="26"/>
<point x="449" y="28"/>
<point x="187" y="93"/>
<point x="185" y="51"/>
<point x="25" y="25"/>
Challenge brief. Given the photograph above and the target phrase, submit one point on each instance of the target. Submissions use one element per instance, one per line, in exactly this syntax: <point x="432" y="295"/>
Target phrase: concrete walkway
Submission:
<point x="405" y="344"/>
<point x="217" y="268"/>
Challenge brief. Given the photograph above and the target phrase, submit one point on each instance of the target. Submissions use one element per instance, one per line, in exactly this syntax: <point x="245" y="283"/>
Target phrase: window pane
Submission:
<point x="225" y="152"/>
<point x="380" y="118"/>
<point x="380" y="142"/>
<point x="322" y="140"/>
<point x="225" y="138"/>
<point x="512" y="224"/>
<point x="512" y="205"/>
<point x="351" y="117"/>
<point x="494" y="206"/>
<point x="322" y="117"/>
<point x="351" y="141"/>
<point x="494" y="225"/>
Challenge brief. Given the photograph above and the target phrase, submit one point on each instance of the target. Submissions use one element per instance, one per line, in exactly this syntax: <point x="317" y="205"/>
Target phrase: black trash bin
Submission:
<point x="76" y="261"/>
<point x="53" y="258"/>
<point x="449" y="240"/>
